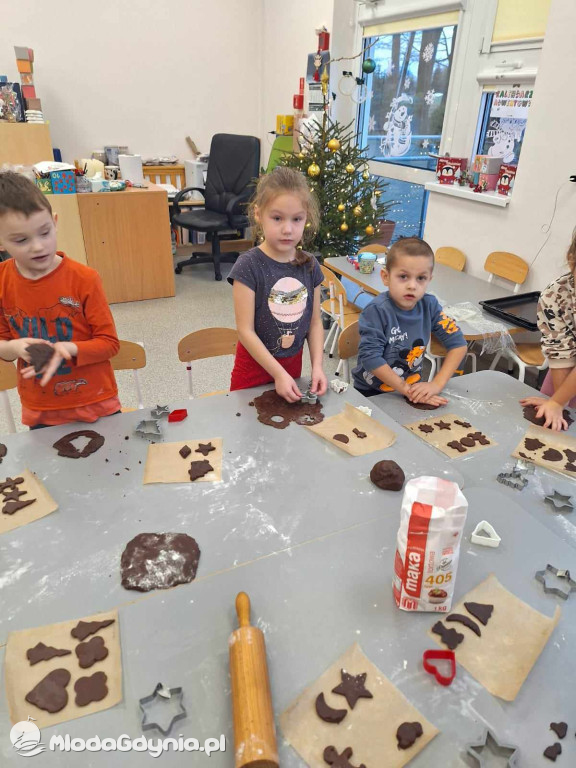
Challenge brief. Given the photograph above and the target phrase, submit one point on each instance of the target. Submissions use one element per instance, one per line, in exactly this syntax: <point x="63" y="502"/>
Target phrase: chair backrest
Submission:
<point x="374" y="248"/>
<point x="166" y="174"/>
<point x="331" y="279"/>
<point x="507" y="265"/>
<point x="8" y="380"/>
<point x="209" y="342"/>
<point x="130" y="357"/>
<point x="450" y="257"/>
<point x="348" y="341"/>
<point x="233" y="166"/>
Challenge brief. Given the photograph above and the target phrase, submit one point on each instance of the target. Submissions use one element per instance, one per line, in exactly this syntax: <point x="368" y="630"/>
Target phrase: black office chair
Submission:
<point x="233" y="166"/>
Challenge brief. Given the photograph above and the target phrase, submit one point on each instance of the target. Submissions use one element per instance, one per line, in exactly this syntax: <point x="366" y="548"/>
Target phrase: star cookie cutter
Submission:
<point x="148" y="428"/>
<point x="432" y="669"/>
<point x="161" y="693"/>
<point x="560" y="574"/>
<point x="560" y="501"/>
<point x="490" y="742"/>
<point x="485" y="535"/>
<point x="160" y="411"/>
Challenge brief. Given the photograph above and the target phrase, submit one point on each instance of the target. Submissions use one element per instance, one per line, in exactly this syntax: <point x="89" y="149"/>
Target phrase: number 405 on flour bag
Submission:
<point x="428" y="544"/>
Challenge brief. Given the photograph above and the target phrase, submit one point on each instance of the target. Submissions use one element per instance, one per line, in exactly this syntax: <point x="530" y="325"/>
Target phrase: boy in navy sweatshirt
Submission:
<point x="395" y="329"/>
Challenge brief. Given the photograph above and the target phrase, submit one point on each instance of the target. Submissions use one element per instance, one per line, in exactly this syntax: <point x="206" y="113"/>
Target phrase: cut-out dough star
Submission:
<point x="205" y="448"/>
<point x="352" y="687"/>
<point x="560" y="501"/>
<point x="489" y="745"/>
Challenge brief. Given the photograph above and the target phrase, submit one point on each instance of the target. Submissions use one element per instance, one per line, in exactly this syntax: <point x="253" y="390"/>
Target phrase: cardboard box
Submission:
<point x="22" y="52"/>
<point x="24" y="66"/>
<point x="506" y="177"/>
<point x="284" y="125"/>
<point x="26" y="79"/>
<point x="449" y="169"/>
<point x="44" y="185"/>
<point x="100" y="185"/>
<point x="33" y="104"/>
<point x="488" y="181"/>
<point x="487" y="164"/>
<point x="28" y="92"/>
<point x="63" y="182"/>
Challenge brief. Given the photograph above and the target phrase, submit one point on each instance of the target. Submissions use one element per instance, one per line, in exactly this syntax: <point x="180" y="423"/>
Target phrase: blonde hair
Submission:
<point x="571" y="255"/>
<point x="282" y="181"/>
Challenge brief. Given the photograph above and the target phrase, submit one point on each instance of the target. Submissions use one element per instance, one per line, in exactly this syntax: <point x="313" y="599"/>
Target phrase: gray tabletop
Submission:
<point x="298" y="525"/>
<point x="449" y="285"/>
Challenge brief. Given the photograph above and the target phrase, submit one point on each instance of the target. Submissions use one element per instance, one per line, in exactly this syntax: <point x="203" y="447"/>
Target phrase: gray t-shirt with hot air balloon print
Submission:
<point x="284" y="299"/>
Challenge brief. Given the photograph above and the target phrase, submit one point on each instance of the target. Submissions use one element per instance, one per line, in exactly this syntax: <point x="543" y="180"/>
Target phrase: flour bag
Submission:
<point x="428" y="544"/>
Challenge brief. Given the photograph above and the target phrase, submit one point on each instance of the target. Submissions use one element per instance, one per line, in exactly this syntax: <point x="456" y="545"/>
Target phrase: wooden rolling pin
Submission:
<point x="254" y="734"/>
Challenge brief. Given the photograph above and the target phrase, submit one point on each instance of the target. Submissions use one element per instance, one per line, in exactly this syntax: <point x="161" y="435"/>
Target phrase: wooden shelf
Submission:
<point x="25" y="143"/>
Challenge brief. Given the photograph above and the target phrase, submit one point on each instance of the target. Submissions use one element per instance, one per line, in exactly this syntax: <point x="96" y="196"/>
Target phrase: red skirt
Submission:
<point x="248" y="373"/>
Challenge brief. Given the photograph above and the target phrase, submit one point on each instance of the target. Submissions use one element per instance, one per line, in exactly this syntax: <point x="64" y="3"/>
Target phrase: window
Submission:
<point x="409" y="209"/>
<point x="502" y="123"/>
<point x="402" y="117"/>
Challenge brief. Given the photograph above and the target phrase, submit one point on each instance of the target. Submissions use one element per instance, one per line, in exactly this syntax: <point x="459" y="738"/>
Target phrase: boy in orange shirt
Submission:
<point x="46" y="297"/>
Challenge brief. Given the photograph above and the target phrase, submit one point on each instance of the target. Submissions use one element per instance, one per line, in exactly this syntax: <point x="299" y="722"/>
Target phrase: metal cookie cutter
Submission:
<point x="166" y="694"/>
<point x="309" y="397"/>
<point x="560" y="501"/>
<point x="515" y="479"/>
<point x="159" y="411"/>
<point x="148" y="428"/>
<point x="491" y="744"/>
<point x="560" y="574"/>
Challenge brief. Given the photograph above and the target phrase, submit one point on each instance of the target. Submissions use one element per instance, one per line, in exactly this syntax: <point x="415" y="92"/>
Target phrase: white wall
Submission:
<point x="142" y="72"/>
<point x="548" y="158"/>
<point x="288" y="38"/>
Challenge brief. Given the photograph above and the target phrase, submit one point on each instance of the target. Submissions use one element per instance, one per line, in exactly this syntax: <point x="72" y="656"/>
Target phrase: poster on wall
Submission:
<point x="506" y="124"/>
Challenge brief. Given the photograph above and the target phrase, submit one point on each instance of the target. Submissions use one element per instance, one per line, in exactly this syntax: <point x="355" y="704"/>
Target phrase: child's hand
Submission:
<point x="319" y="383"/>
<point x="18" y="347"/>
<point x="287" y="387"/>
<point x="63" y="350"/>
<point x="550" y="410"/>
<point x="425" y="392"/>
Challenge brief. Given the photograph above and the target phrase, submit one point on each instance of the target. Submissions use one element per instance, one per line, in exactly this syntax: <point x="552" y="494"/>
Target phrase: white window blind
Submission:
<point x="430" y="21"/>
<point x="520" y="20"/>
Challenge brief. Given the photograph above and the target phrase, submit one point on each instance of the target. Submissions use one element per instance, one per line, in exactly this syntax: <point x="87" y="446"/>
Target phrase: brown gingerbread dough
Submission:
<point x="90" y="652"/>
<point x="159" y="561"/>
<point x="449" y="637"/>
<point x="530" y="415"/>
<point x="480" y="611"/>
<point x="387" y="475"/>
<point x="560" y="729"/>
<point x="533" y="444"/>
<point x="339" y="760"/>
<point x="427" y="428"/>
<point x="185" y="451"/>
<point x="50" y="693"/>
<point x="13" y="506"/>
<point x="457" y="445"/>
<point x="65" y="446"/>
<point x="270" y="405"/>
<point x="328" y="714"/>
<point x="199" y="469"/>
<point x="40" y="355"/>
<point x="407" y="734"/>
<point x="570" y="467"/>
<point x="359" y="433"/>
<point x="85" y="628"/>
<point x="443" y="424"/>
<point x="42" y="652"/>
<point x="205" y="448"/>
<point x="89" y="689"/>
<point x="469" y="442"/>
<point x="352" y="688"/>
<point x="3" y="451"/>
<point x="341" y="438"/>
<point x="551" y="454"/>
<point x="553" y="751"/>
<point x="466" y="620"/>
<point x="464" y="424"/>
<point x="421" y="406"/>
<point x="570" y="455"/>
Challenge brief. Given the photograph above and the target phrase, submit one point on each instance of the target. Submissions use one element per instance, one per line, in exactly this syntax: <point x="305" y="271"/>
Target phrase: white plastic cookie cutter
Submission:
<point x="485" y="535"/>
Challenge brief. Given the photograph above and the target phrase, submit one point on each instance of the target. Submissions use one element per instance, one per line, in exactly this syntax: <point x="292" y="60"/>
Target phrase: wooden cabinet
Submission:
<point x="25" y="143"/>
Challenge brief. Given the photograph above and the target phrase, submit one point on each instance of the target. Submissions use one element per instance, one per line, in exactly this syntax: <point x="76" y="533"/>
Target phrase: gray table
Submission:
<point x="449" y="285"/>
<point x="295" y="523"/>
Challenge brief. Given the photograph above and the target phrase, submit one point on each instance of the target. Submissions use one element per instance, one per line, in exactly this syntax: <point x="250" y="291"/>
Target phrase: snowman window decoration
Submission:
<point x="397" y="138"/>
<point x="503" y="146"/>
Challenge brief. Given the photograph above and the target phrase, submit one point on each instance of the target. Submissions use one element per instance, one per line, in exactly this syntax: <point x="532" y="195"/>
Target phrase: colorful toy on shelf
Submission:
<point x="450" y="169"/>
<point x="25" y="64"/>
<point x="506" y="177"/>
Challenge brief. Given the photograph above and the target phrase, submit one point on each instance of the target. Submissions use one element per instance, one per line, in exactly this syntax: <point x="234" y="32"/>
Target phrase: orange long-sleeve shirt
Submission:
<point x="68" y="304"/>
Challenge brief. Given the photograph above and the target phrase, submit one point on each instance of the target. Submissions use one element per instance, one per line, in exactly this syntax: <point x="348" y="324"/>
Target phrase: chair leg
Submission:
<point x="496" y="360"/>
<point x="334" y="341"/>
<point x="189" y="371"/>
<point x="472" y="356"/>
<point x="138" y="389"/>
<point x="8" y="413"/>
<point x="216" y="255"/>
<point x="329" y="335"/>
<point x="347" y="371"/>
<point x="521" y="371"/>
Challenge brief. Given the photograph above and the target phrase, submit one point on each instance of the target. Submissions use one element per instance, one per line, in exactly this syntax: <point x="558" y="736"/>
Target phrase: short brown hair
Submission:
<point x="20" y="195"/>
<point x="408" y="246"/>
<point x="283" y="180"/>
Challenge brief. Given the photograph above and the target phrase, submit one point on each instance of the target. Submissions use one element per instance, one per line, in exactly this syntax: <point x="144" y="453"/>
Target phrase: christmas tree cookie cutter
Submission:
<point x="161" y="693"/>
<point x="148" y="428"/>
<point x="490" y="743"/>
<point x="563" y="575"/>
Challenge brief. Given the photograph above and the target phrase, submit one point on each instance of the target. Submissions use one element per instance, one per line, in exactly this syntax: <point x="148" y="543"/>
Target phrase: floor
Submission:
<point x="159" y="324"/>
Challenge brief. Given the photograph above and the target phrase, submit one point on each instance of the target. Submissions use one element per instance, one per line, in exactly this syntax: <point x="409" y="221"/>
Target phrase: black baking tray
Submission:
<point x="518" y="310"/>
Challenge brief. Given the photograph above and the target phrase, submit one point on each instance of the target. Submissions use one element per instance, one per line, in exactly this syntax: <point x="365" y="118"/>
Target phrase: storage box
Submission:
<point x="99" y="184"/>
<point x="487" y="164"/>
<point x="28" y="92"/>
<point x="24" y="65"/>
<point x="284" y="125"/>
<point x="44" y="185"/>
<point x="506" y="177"/>
<point x="63" y="182"/>
<point x="449" y="169"/>
<point x="487" y="181"/>
<point x="33" y="104"/>
<point x="324" y="40"/>
<point x="23" y="53"/>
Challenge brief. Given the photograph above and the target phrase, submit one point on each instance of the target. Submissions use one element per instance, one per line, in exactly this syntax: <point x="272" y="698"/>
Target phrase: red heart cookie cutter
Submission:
<point x="178" y="415"/>
<point x="435" y="655"/>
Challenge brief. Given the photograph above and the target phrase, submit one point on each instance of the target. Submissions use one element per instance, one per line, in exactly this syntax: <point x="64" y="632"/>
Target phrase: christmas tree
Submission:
<point x="350" y="199"/>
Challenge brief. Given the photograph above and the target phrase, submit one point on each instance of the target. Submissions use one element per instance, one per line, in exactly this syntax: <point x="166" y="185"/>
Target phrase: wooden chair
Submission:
<point x="165" y="174"/>
<point x="8" y="380"/>
<point x="508" y="266"/>
<point x="337" y="308"/>
<point x="525" y="356"/>
<point x="200" y="345"/>
<point x="348" y="342"/>
<point x="436" y="351"/>
<point x="374" y="248"/>
<point x="131" y="357"/>
<point x="450" y="257"/>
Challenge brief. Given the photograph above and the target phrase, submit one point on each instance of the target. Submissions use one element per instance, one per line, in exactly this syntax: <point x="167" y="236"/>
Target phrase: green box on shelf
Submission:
<point x="44" y="185"/>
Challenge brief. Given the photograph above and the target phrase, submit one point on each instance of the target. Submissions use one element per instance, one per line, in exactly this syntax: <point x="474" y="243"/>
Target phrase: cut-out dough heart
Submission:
<point x="485" y="535"/>
<point x="430" y="657"/>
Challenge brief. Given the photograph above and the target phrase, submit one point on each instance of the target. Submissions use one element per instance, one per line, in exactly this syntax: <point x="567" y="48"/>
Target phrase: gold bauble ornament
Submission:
<point x="308" y="225"/>
<point x="357" y="211"/>
<point x="378" y="193"/>
<point x="369" y="230"/>
<point x="301" y="155"/>
<point x="365" y="175"/>
<point x="344" y="227"/>
<point x="314" y="170"/>
<point x="341" y="207"/>
<point x="350" y="168"/>
<point x="333" y="145"/>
